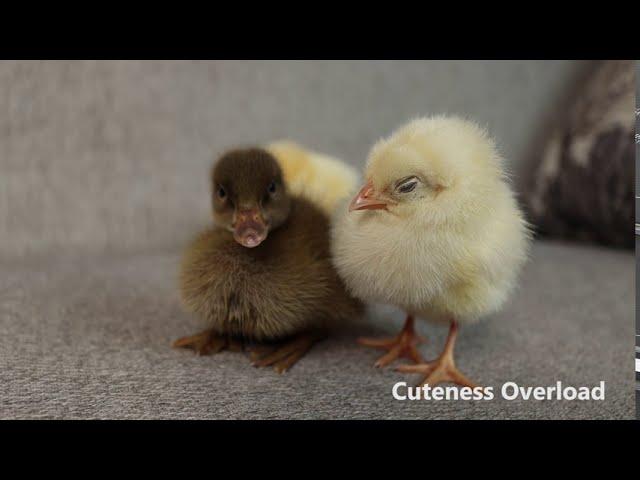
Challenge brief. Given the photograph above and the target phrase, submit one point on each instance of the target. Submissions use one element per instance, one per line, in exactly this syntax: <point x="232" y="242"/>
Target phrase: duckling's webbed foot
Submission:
<point x="404" y="345"/>
<point x="284" y="355"/>
<point x="208" y="343"/>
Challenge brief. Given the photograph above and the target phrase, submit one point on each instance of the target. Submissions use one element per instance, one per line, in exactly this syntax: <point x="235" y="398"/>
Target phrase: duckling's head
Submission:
<point x="249" y="195"/>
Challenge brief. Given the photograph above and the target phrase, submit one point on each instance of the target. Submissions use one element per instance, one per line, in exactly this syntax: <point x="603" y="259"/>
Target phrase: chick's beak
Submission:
<point x="250" y="228"/>
<point x="368" y="199"/>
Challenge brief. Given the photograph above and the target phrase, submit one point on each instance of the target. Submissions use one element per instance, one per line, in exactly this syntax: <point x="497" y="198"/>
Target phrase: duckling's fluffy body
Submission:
<point x="455" y="251"/>
<point x="284" y="286"/>
<point x="322" y="179"/>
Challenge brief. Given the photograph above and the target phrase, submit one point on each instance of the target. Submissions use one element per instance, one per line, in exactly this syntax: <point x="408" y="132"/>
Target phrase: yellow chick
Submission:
<point x="321" y="179"/>
<point x="436" y="231"/>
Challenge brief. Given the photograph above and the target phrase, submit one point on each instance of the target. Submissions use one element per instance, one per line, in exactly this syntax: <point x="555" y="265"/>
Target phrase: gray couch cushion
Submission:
<point x="89" y="338"/>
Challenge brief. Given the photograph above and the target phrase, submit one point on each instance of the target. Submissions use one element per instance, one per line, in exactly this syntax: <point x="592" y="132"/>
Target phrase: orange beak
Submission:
<point x="368" y="199"/>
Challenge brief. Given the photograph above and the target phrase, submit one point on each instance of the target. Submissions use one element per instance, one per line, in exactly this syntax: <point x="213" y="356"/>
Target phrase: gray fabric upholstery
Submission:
<point x="89" y="337"/>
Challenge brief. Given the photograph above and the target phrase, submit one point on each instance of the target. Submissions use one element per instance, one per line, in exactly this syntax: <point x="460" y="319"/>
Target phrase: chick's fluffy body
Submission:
<point x="283" y="287"/>
<point x="454" y="253"/>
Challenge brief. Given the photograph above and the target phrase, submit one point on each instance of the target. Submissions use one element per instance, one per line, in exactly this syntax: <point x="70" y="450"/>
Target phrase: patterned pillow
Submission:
<point x="584" y="185"/>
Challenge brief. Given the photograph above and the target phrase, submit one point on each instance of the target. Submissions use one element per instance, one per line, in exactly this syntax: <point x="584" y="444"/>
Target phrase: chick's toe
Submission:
<point x="401" y="346"/>
<point x="438" y="371"/>
<point x="443" y="369"/>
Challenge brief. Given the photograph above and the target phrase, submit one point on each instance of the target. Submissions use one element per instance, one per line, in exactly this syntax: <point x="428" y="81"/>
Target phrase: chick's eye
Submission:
<point x="408" y="186"/>
<point x="221" y="192"/>
<point x="272" y="187"/>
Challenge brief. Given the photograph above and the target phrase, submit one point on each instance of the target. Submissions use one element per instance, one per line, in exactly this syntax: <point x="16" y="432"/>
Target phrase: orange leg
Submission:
<point x="443" y="368"/>
<point x="404" y="345"/>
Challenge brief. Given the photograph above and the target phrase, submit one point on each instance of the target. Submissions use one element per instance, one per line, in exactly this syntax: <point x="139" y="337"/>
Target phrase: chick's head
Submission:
<point x="249" y="197"/>
<point x="432" y="171"/>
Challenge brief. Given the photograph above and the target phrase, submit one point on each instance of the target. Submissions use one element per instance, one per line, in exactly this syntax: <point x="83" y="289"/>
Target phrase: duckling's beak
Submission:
<point x="250" y="228"/>
<point x="368" y="199"/>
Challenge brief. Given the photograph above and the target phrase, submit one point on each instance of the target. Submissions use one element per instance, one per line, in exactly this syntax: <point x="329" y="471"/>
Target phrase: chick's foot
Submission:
<point x="208" y="343"/>
<point x="283" y="356"/>
<point x="404" y="345"/>
<point x="441" y="370"/>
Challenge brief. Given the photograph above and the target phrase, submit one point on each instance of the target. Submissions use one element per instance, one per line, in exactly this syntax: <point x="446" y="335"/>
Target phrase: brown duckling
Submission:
<point x="263" y="273"/>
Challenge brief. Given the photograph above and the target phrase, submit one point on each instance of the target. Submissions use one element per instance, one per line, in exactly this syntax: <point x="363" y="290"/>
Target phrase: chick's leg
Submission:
<point x="207" y="343"/>
<point x="404" y="345"/>
<point x="285" y="355"/>
<point x="442" y="369"/>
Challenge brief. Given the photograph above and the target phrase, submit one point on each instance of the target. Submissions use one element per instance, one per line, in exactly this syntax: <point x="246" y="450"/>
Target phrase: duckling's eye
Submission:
<point x="221" y="192"/>
<point x="272" y="187"/>
<point x="407" y="185"/>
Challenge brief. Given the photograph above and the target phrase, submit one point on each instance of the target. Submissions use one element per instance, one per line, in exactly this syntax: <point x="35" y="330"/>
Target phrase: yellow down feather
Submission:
<point x="319" y="178"/>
